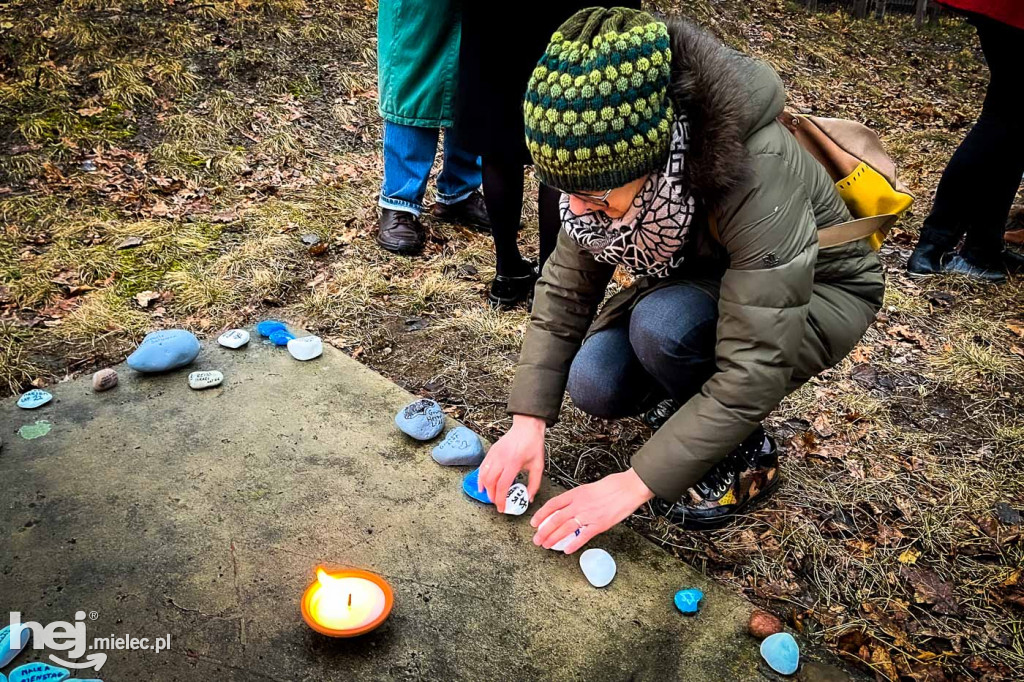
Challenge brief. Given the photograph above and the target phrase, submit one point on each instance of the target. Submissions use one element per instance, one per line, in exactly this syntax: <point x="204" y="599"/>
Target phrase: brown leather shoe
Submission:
<point x="471" y="212"/>
<point x="400" y="232"/>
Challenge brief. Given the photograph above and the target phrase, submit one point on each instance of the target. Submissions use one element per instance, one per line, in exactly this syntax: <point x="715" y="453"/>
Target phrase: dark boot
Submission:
<point x="1014" y="262"/>
<point x="747" y="475"/>
<point x="471" y="212"/>
<point x="400" y="232"/>
<point x="660" y="413"/>
<point x="958" y="265"/>
<point x="926" y="260"/>
<point x="507" y="292"/>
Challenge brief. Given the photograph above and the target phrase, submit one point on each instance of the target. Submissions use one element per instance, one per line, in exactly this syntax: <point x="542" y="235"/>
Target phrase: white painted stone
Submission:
<point x="599" y="567"/>
<point x="517" y="500"/>
<point x="206" y="379"/>
<point x="564" y="542"/>
<point x="233" y="338"/>
<point x="306" y="348"/>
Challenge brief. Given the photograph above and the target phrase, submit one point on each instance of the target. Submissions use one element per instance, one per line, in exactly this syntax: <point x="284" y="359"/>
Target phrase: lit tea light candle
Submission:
<point x="346" y="603"/>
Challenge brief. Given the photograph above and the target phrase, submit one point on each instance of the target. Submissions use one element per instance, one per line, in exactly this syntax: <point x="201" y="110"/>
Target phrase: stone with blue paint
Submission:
<point x="281" y="337"/>
<point x="38" y="672"/>
<point x="688" y="600"/>
<point x="268" y="327"/>
<point x="164" y="350"/>
<point x="422" y="419"/>
<point x="460" y="448"/>
<point x="33" y="399"/>
<point x="9" y="648"/>
<point x="469" y="486"/>
<point x="781" y="652"/>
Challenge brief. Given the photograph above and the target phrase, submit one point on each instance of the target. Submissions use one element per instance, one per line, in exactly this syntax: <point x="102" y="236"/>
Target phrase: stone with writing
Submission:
<point x="233" y="338"/>
<point x="598" y="566"/>
<point x="460" y="448"/>
<point x="164" y="350"/>
<point x="564" y="543"/>
<point x="688" y="600"/>
<point x="33" y="399"/>
<point x="470" y="484"/>
<point x="306" y="347"/>
<point x="422" y="419"/>
<point x="517" y="500"/>
<point x="38" y="672"/>
<point x="268" y="327"/>
<point x="104" y="380"/>
<point x="781" y="652"/>
<point x="9" y="648"/>
<point x="205" y="379"/>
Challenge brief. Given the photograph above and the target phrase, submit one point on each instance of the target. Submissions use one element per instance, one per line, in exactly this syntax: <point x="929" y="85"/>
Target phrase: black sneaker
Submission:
<point x="926" y="260"/>
<point x="746" y="476"/>
<point x="1014" y="262"/>
<point x="507" y="292"/>
<point x="958" y="265"/>
<point x="471" y="212"/>
<point x="660" y="413"/>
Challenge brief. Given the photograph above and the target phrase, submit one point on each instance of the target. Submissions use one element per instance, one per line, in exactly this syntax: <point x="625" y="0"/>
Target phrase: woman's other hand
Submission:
<point x="521" y="449"/>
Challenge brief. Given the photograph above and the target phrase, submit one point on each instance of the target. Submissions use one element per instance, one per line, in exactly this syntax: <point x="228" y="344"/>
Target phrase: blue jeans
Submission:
<point x="408" y="156"/>
<point x="666" y="351"/>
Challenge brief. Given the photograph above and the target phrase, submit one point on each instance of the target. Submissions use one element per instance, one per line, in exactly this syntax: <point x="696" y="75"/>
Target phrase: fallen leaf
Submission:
<point x="80" y="289"/>
<point x="318" y="249"/>
<point x="130" y="242"/>
<point x="145" y="298"/>
<point x="909" y="556"/>
<point x="929" y="588"/>
<point x="881" y="663"/>
<point x="1017" y="329"/>
<point x="91" y="111"/>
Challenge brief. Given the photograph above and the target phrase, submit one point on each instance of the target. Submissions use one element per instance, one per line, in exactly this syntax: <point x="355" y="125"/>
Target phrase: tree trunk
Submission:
<point x="860" y="8"/>
<point x="879" y="9"/>
<point x="920" y="13"/>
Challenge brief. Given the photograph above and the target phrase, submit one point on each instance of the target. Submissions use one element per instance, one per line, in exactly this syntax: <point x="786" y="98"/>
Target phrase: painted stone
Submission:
<point x="564" y="542"/>
<point x="38" y="672"/>
<point x="688" y="601"/>
<point x="104" y="380"/>
<point x="763" y="624"/>
<point x="781" y="652"/>
<point x="10" y="648"/>
<point x="306" y="348"/>
<point x="281" y="337"/>
<point x="33" y="399"/>
<point x="207" y="379"/>
<point x="460" y="448"/>
<point x="517" y="500"/>
<point x="469" y="485"/>
<point x="422" y="419"/>
<point x="37" y="430"/>
<point x="164" y="350"/>
<point x="233" y="338"/>
<point x="268" y="327"/>
<point x="599" y="567"/>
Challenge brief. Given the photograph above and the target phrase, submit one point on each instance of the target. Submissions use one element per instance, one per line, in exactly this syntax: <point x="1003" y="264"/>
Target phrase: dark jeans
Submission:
<point x="667" y="350"/>
<point x="978" y="186"/>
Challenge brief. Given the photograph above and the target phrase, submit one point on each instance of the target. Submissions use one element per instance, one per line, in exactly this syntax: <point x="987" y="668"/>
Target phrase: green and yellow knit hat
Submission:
<point x="597" y="108"/>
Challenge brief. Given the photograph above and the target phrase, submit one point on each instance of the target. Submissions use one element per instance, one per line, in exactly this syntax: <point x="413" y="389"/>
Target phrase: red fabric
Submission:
<point x="1007" y="11"/>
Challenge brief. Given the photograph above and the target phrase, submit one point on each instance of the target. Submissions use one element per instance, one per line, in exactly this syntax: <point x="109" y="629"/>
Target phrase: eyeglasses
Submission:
<point x="600" y="200"/>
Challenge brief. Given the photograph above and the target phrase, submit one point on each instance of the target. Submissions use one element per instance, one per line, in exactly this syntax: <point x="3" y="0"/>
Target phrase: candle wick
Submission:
<point x="350" y="600"/>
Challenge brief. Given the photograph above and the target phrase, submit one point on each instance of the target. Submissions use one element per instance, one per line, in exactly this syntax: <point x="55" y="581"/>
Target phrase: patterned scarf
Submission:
<point x="648" y="240"/>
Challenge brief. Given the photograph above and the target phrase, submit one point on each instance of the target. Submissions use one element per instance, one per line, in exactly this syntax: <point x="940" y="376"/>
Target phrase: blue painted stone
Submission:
<point x="33" y="399"/>
<point x="268" y="327"/>
<point x="9" y="648"/>
<point x="422" y="419"/>
<point x="469" y="484"/>
<point x="781" y="652"/>
<point x="688" y="601"/>
<point x="38" y="672"/>
<point x="281" y="337"/>
<point x="164" y="350"/>
<point x="460" y="448"/>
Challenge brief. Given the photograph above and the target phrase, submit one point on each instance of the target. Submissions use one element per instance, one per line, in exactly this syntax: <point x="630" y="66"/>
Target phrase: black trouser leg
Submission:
<point x="503" y="194"/>
<point x="549" y="221"/>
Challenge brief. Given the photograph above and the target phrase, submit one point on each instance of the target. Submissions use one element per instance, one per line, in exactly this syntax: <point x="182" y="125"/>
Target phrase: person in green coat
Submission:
<point x="417" y="69"/>
<point x="674" y="168"/>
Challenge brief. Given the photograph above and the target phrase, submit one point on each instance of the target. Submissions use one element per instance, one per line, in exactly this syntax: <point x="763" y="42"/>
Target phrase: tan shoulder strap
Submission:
<point x="854" y="230"/>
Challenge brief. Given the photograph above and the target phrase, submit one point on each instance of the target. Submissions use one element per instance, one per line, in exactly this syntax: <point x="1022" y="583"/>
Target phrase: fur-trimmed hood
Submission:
<point x="727" y="97"/>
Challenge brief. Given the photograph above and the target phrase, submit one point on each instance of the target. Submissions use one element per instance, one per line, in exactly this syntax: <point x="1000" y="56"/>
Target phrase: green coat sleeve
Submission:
<point x="770" y="233"/>
<point x="566" y="298"/>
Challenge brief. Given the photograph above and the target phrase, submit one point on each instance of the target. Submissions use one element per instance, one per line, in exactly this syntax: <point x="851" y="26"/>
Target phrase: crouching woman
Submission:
<point x="672" y="166"/>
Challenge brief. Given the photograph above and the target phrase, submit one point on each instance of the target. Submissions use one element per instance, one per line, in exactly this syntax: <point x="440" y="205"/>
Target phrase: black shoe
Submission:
<point x="400" y="232"/>
<point x="471" y="212"/>
<point x="926" y="260"/>
<point x="1014" y="262"/>
<point x="746" y="476"/>
<point x="958" y="265"/>
<point x="506" y="292"/>
<point x="660" y="413"/>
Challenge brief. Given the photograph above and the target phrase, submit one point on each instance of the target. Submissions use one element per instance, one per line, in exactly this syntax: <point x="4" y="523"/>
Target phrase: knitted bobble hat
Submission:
<point x="597" y="110"/>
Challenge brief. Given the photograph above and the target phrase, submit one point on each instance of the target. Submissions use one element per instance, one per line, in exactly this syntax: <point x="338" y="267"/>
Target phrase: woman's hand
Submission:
<point x="521" y="449"/>
<point x="589" y="509"/>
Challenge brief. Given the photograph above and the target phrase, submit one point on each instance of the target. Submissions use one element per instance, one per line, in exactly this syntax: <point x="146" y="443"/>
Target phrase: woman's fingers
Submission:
<point x="550" y="507"/>
<point x="557" y="533"/>
<point x="587" y="533"/>
<point x="534" y="472"/>
<point x="547" y="526"/>
<point x="505" y="481"/>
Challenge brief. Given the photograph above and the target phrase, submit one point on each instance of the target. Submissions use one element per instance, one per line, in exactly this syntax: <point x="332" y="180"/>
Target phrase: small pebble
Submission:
<point x="38" y="672"/>
<point x="233" y="338"/>
<point x="281" y="337"/>
<point x="268" y="327"/>
<point x="306" y="348"/>
<point x="469" y="486"/>
<point x="104" y="380"/>
<point x="206" y="379"/>
<point x="763" y="624"/>
<point x="310" y="239"/>
<point x="10" y="648"/>
<point x="598" y="566"/>
<point x="164" y="350"/>
<point x="688" y="601"/>
<point x="781" y="652"/>
<point x="422" y="419"/>
<point x="33" y="399"/>
<point x="517" y="500"/>
<point x="89" y="166"/>
<point x="33" y="431"/>
<point x="461" y="447"/>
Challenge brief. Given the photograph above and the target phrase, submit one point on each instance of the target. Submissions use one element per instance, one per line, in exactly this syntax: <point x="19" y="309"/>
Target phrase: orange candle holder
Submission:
<point x="346" y="602"/>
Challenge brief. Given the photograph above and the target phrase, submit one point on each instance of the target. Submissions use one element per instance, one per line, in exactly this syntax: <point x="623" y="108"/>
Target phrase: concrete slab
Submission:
<point x="203" y="515"/>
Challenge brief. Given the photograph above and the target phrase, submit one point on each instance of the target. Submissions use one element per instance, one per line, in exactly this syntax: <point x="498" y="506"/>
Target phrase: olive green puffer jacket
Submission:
<point x="786" y="310"/>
